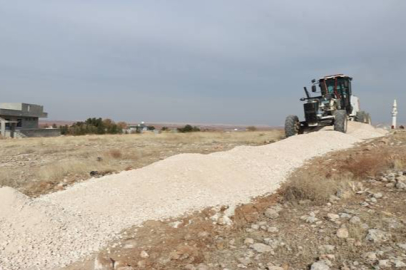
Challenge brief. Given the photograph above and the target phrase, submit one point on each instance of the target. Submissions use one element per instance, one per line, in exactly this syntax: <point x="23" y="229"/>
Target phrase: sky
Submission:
<point x="188" y="61"/>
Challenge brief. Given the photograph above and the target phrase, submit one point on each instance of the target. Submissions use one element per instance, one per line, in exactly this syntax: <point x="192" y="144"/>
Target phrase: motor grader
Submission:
<point x="334" y="106"/>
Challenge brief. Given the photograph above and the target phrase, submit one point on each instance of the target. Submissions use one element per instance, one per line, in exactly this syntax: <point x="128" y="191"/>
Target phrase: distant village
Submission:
<point x="22" y="120"/>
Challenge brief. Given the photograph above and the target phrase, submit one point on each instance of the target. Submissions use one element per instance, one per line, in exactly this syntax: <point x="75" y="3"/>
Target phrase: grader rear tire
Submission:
<point x="368" y="119"/>
<point x="360" y="117"/>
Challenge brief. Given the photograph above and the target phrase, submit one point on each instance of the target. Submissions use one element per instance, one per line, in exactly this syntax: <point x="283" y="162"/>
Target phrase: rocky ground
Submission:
<point x="343" y="211"/>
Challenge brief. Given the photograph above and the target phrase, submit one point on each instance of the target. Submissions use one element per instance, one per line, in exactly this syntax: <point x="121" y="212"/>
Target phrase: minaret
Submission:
<point x="394" y="114"/>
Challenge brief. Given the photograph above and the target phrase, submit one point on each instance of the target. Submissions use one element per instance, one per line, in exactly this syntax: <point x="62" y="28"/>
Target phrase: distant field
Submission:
<point x="37" y="166"/>
<point x="207" y="127"/>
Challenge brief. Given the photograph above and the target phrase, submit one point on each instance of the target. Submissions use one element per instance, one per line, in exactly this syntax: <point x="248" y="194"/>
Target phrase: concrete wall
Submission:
<point x="26" y="122"/>
<point x="29" y="123"/>
<point x="12" y="106"/>
<point x="41" y="132"/>
<point x="22" y="109"/>
<point x="32" y="108"/>
<point x="2" y="127"/>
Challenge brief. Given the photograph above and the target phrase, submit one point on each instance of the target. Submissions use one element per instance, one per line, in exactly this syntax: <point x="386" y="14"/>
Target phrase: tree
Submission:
<point x="64" y="129"/>
<point x="189" y="128"/>
<point x="107" y="123"/>
<point x="122" y="125"/>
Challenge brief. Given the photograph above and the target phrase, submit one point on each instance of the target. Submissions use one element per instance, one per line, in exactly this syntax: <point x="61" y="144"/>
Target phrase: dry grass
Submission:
<point x="56" y="171"/>
<point x="356" y="232"/>
<point x="373" y="164"/>
<point x="399" y="164"/>
<point x="247" y="137"/>
<point x="115" y="153"/>
<point x="343" y="172"/>
<point x="60" y="170"/>
<point x="314" y="188"/>
<point x="9" y="177"/>
<point x="367" y="165"/>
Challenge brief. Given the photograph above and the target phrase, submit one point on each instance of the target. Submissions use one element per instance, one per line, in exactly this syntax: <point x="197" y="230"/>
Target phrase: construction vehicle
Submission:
<point x="335" y="106"/>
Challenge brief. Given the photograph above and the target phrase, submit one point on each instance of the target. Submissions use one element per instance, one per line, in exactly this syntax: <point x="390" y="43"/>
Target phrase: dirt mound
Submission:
<point x="57" y="229"/>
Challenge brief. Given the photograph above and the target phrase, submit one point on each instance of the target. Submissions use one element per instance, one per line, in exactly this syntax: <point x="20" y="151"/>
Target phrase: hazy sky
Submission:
<point x="211" y="61"/>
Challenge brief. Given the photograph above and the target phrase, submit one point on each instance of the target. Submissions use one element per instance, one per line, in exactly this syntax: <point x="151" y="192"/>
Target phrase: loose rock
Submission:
<point x="271" y="213"/>
<point x="342" y="233"/>
<point x="321" y="265"/>
<point x="261" y="248"/>
<point x="377" y="236"/>
<point x="355" y="220"/>
<point x="249" y="241"/>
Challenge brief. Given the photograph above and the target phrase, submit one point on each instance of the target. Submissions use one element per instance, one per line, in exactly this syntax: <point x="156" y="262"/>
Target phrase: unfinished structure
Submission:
<point x="22" y="120"/>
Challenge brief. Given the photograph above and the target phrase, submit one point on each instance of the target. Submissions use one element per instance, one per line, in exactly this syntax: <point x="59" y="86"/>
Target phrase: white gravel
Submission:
<point x="57" y="229"/>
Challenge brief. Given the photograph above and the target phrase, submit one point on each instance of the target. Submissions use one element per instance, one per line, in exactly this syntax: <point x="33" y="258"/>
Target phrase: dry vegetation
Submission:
<point x="41" y="165"/>
<point x="313" y="187"/>
<point x="344" y="170"/>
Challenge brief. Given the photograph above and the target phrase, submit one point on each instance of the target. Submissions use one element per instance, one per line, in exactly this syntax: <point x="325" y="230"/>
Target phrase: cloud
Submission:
<point x="189" y="61"/>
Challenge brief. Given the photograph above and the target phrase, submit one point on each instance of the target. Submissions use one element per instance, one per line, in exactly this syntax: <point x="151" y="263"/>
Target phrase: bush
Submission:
<point x="189" y="128"/>
<point x="252" y="128"/>
<point x="64" y="129"/>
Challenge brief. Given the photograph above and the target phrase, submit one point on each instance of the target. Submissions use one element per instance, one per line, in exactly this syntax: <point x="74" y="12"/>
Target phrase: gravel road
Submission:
<point x="60" y="228"/>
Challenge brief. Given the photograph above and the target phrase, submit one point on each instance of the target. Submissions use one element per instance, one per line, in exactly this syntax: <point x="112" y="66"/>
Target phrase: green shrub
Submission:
<point x="189" y="128"/>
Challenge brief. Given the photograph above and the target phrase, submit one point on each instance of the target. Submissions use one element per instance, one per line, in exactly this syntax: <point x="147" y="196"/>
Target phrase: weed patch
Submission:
<point x="115" y="153"/>
<point x="313" y="187"/>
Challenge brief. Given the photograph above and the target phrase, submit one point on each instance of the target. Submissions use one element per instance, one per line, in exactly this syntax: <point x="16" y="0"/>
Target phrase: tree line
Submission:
<point x="93" y="126"/>
<point x="108" y="126"/>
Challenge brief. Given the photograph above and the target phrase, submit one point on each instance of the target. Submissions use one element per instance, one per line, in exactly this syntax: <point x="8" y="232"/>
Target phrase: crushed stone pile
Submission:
<point x="363" y="131"/>
<point x="58" y="229"/>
